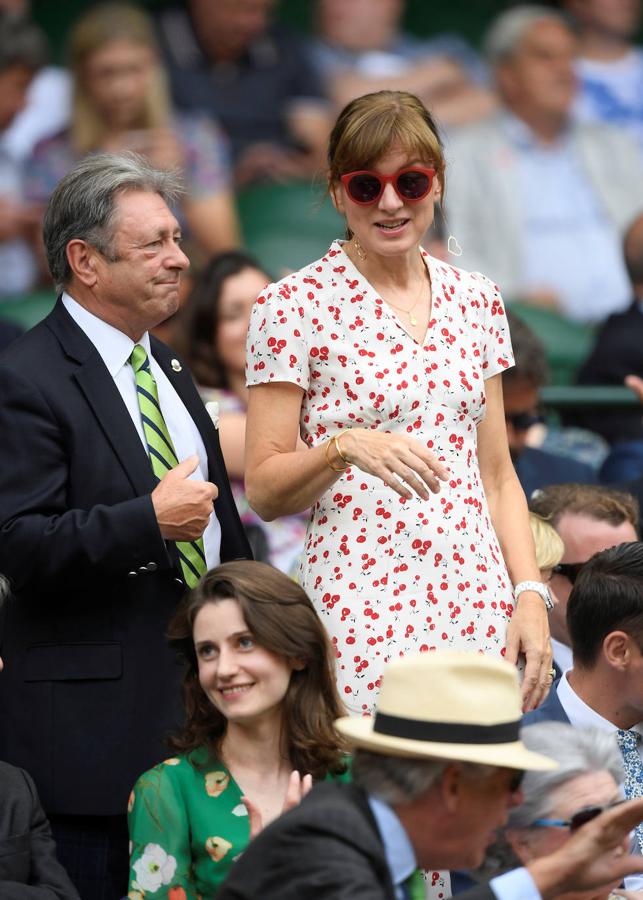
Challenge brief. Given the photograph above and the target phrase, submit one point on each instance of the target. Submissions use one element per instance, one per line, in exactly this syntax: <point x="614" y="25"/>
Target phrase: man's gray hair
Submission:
<point x="508" y="30"/>
<point x="576" y="750"/>
<point x="83" y="204"/>
<point x="400" y="779"/>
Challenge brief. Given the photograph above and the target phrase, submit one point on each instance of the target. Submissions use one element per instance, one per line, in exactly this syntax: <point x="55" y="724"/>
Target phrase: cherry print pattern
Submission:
<point x="390" y="576"/>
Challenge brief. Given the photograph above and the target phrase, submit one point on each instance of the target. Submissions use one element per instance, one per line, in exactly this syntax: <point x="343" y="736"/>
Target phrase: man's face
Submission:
<point x="14" y="82"/>
<point x="539" y="77"/>
<point x="141" y="288"/>
<point x="233" y="25"/>
<point x="616" y="18"/>
<point x="520" y="400"/>
<point x="582" y="536"/>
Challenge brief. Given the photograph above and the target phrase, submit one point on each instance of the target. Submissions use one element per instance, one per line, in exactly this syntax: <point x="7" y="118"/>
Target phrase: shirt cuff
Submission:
<point x="515" y="885"/>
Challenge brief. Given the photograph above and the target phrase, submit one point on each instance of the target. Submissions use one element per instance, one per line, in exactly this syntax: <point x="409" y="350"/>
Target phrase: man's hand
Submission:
<point x="183" y="506"/>
<point x="595" y="856"/>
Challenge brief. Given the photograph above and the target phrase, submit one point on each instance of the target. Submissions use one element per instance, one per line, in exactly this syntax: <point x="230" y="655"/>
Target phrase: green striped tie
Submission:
<point x="162" y="454"/>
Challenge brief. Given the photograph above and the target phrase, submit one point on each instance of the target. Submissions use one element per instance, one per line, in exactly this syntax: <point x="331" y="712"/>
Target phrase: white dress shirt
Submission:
<point x="115" y="349"/>
<point x="562" y="654"/>
<point x="581" y="715"/>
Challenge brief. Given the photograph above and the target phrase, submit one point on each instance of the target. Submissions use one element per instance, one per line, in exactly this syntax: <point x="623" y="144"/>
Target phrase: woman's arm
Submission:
<point x="528" y="630"/>
<point x="280" y="480"/>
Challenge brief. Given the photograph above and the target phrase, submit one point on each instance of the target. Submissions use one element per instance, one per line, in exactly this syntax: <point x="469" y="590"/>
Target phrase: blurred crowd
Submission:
<point x="543" y="132"/>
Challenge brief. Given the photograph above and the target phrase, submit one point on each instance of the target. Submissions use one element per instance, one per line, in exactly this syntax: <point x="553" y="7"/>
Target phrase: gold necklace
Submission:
<point x="409" y="312"/>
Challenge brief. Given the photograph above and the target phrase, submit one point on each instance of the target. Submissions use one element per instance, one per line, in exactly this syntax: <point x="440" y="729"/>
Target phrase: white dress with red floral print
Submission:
<point x="389" y="576"/>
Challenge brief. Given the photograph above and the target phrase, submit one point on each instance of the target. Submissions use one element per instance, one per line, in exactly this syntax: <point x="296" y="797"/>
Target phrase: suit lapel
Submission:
<point x="104" y="399"/>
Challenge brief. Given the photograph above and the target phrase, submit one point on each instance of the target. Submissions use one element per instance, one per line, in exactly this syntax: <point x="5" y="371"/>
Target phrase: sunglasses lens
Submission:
<point x="364" y="188"/>
<point x="583" y="816"/>
<point x="413" y="185"/>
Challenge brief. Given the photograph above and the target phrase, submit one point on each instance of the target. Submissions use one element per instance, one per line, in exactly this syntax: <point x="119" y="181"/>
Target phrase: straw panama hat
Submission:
<point x="447" y="705"/>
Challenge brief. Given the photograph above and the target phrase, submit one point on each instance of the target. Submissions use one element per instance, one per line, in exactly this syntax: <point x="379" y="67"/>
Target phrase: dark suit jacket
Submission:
<point x="327" y="848"/>
<point x="538" y="468"/>
<point x="549" y="711"/>
<point x="90" y="688"/>
<point x="28" y="864"/>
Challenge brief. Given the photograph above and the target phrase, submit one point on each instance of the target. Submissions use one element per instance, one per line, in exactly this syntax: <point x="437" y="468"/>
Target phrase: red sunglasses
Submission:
<point x="410" y="184"/>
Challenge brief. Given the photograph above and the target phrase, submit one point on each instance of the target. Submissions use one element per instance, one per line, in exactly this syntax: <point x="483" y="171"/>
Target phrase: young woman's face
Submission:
<point x="246" y="682"/>
<point x="238" y="295"/>
<point x="117" y="78"/>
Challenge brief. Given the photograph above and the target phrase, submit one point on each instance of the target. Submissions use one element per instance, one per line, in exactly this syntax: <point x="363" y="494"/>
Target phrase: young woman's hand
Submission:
<point x="297" y="789"/>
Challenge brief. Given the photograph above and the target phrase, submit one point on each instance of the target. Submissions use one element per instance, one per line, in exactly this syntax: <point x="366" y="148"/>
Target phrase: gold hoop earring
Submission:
<point x="358" y="248"/>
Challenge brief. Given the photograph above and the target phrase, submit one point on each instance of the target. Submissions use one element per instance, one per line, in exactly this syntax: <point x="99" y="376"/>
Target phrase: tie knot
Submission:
<point x="627" y="740"/>
<point x="138" y="358"/>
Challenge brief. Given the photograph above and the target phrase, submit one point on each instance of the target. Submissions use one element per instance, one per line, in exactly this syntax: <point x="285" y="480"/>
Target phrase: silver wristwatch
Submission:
<point x="539" y="588"/>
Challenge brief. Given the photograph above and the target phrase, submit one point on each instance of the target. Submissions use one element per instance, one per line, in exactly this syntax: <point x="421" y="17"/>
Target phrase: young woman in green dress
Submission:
<point x="260" y="700"/>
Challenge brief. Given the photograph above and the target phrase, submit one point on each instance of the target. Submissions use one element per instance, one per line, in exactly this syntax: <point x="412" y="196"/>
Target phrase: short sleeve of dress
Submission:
<point x="277" y="348"/>
<point x="497" y="355"/>
<point x="160" y="854"/>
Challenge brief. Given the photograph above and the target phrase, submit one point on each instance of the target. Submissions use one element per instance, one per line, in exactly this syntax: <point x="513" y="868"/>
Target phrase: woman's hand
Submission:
<point x="528" y="634"/>
<point x="400" y="461"/>
<point x="297" y="789"/>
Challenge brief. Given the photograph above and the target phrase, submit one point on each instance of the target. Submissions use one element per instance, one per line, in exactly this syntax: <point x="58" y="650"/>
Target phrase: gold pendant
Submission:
<point x="412" y="319"/>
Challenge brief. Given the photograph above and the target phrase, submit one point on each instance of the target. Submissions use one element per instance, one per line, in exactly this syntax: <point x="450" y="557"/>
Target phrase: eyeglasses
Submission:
<point x="524" y="420"/>
<point x="580" y="818"/>
<point x="410" y="184"/>
<point x="569" y="570"/>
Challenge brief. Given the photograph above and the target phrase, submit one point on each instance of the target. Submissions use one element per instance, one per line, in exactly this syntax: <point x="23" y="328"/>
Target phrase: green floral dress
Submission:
<point x="187" y="826"/>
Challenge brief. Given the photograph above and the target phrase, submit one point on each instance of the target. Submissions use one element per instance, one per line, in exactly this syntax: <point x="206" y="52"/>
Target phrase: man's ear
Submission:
<point x="450" y="785"/>
<point x="519" y="839"/>
<point x="617" y="649"/>
<point x="81" y="257"/>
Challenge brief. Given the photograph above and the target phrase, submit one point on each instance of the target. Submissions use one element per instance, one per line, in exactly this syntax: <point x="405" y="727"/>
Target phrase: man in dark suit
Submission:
<point x="604" y="689"/>
<point x="434" y="774"/>
<point x="102" y="526"/>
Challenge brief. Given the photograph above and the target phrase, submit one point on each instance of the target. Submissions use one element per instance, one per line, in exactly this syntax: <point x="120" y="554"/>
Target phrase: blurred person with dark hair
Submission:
<point x="360" y="47"/>
<point x="588" y="519"/>
<point x="121" y="103"/>
<point x="229" y="58"/>
<point x="260" y="705"/>
<point x="530" y="199"/>
<point x="22" y="53"/>
<point x="604" y="689"/>
<point x="610" y="63"/>
<point x="211" y="334"/>
<point x="28" y="864"/>
<point x="537" y="466"/>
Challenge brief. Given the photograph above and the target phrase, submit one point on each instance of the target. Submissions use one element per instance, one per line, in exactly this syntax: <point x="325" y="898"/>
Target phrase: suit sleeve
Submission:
<point x="41" y="538"/>
<point x="48" y="879"/>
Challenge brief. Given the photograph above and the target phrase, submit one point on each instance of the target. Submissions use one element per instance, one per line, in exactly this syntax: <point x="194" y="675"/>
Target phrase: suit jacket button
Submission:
<point x="143" y="570"/>
<point x="152" y="567"/>
<point x="179" y="581"/>
<point x="132" y="574"/>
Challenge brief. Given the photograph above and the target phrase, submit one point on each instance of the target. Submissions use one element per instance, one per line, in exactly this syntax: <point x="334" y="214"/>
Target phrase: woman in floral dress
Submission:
<point x="388" y="363"/>
<point x="254" y="648"/>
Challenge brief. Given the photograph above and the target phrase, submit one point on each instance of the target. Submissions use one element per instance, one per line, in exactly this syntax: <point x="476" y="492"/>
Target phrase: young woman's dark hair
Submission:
<point x="198" y="322"/>
<point x="282" y="619"/>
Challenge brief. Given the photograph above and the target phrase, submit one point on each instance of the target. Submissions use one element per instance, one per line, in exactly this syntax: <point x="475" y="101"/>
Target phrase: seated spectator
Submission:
<point x="211" y="337"/>
<point x="618" y="353"/>
<point x="121" y="103"/>
<point x="260" y="700"/>
<point x="557" y="802"/>
<point x="603" y="689"/>
<point x="48" y="101"/>
<point x="230" y="60"/>
<point x="28" y="864"/>
<point x="22" y="53"/>
<point x="536" y="466"/>
<point x="361" y="48"/>
<point x="435" y="772"/>
<point x="528" y="199"/>
<point x="588" y="519"/>
<point x="609" y="64"/>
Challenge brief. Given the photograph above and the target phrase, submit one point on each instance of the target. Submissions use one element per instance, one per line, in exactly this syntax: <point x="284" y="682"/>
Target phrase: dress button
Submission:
<point x="132" y="574"/>
<point x="152" y="567"/>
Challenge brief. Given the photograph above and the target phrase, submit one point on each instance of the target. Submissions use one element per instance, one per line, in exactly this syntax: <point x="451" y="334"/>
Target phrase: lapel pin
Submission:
<point x="176" y="365"/>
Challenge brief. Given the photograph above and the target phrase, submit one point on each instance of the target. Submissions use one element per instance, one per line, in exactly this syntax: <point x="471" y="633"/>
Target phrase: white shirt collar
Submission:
<point x="562" y="655"/>
<point x="114" y="347"/>
<point x="580" y="714"/>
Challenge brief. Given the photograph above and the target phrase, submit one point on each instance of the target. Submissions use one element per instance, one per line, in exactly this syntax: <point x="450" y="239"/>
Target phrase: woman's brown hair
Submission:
<point x="280" y="616"/>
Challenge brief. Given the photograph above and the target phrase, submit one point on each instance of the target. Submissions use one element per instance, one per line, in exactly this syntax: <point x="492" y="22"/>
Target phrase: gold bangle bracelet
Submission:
<point x="339" y="452"/>
<point x="329" y="443"/>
